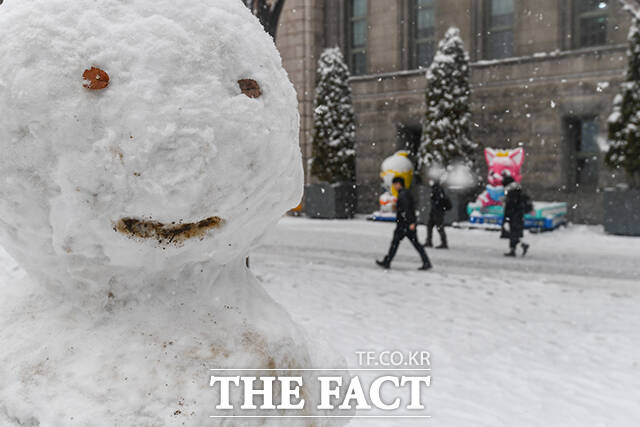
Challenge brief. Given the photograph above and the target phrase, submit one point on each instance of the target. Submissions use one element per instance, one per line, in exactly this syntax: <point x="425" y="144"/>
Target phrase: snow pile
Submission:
<point x="460" y="176"/>
<point x="456" y="176"/>
<point x="134" y="206"/>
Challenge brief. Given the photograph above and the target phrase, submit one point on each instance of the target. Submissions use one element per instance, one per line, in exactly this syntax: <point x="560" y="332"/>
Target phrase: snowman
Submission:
<point x="146" y="146"/>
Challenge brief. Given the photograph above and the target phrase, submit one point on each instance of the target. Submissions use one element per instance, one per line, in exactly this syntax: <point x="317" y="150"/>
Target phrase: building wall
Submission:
<point x="521" y="101"/>
<point x="527" y="102"/>
<point x="300" y="40"/>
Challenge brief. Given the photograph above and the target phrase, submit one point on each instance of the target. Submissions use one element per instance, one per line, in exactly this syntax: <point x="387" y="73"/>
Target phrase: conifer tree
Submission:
<point x="333" y="121"/>
<point x="624" y="121"/>
<point x="446" y="134"/>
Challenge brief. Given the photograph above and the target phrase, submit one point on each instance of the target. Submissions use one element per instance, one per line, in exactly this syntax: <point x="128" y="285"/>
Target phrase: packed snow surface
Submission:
<point x="132" y="208"/>
<point x="549" y="340"/>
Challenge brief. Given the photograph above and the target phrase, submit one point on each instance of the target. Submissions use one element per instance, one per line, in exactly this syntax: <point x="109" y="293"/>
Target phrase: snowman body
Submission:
<point x="132" y="206"/>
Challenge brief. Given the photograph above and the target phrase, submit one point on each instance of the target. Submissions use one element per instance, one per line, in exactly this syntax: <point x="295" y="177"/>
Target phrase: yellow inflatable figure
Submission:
<point x="393" y="166"/>
<point x="397" y="165"/>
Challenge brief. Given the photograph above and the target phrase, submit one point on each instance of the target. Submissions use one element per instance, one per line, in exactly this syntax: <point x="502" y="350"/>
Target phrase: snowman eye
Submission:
<point x="250" y="87"/>
<point x="95" y="79"/>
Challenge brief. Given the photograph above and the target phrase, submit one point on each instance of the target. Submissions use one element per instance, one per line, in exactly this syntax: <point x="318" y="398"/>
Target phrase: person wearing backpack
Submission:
<point x="440" y="204"/>
<point x="517" y="204"/>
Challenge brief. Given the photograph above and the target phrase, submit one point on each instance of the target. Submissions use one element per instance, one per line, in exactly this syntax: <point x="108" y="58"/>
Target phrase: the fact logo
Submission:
<point x="391" y="388"/>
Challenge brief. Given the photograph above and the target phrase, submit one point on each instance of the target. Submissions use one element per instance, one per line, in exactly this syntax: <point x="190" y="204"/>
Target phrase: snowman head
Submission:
<point x="140" y="134"/>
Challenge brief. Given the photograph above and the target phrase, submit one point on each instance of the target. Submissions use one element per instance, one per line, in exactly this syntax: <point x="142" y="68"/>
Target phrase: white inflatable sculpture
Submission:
<point x="145" y="146"/>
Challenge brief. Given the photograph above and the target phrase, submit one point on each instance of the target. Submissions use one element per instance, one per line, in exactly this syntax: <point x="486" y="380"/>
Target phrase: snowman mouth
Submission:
<point x="175" y="233"/>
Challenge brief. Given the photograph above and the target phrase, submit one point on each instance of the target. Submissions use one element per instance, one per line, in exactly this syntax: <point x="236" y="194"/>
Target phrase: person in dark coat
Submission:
<point x="406" y="226"/>
<point x="440" y="204"/>
<point x="517" y="204"/>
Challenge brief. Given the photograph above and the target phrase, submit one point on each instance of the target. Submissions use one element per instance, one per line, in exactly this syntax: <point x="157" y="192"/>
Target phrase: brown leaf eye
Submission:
<point x="250" y="87"/>
<point x="95" y="79"/>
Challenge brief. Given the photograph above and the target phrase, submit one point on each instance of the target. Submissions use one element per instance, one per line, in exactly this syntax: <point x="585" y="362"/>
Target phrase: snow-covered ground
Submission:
<point x="549" y="340"/>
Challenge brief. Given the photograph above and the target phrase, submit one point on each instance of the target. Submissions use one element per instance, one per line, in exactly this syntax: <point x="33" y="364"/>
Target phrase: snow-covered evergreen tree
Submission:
<point x="446" y="133"/>
<point x="624" y="121"/>
<point x="333" y="121"/>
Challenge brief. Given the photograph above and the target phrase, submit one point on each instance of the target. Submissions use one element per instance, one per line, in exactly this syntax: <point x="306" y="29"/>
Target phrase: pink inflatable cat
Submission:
<point x="499" y="162"/>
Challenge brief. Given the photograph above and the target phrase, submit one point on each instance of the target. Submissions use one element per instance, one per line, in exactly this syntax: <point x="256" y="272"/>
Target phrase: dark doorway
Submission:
<point x="583" y="152"/>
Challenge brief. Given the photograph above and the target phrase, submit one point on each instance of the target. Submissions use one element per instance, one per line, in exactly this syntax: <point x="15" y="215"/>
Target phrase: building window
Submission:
<point x="584" y="152"/>
<point x="499" y="29"/>
<point x="358" y="29"/>
<point x="590" y="22"/>
<point x="424" y="32"/>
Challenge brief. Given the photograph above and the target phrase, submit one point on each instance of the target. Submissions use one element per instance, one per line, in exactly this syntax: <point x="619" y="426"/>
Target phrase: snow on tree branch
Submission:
<point x="446" y="136"/>
<point x="624" y="121"/>
<point x="631" y="6"/>
<point x="333" y="121"/>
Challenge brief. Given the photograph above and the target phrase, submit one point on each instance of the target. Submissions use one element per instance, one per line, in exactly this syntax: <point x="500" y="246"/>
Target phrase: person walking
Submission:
<point x="440" y="204"/>
<point x="406" y="226"/>
<point x="517" y="204"/>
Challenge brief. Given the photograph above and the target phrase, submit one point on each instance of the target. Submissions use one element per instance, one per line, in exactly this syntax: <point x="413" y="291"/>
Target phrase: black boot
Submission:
<point x="511" y="253"/>
<point x="429" y="244"/>
<point x="443" y="239"/>
<point x="384" y="263"/>
<point x="426" y="266"/>
<point x="525" y="249"/>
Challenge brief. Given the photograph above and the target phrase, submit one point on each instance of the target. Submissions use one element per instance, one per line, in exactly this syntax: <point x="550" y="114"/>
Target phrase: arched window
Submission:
<point x="424" y="32"/>
<point x="499" y="19"/>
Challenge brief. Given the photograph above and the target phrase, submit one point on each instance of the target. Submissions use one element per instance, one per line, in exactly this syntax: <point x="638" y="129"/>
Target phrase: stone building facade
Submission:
<point x="544" y="74"/>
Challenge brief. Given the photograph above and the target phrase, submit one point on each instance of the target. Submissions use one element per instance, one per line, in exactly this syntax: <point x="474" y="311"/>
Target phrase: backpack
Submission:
<point x="447" y="205"/>
<point x="527" y="203"/>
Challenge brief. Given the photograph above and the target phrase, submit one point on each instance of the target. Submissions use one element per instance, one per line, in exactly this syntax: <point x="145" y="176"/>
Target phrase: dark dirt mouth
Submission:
<point x="167" y="233"/>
